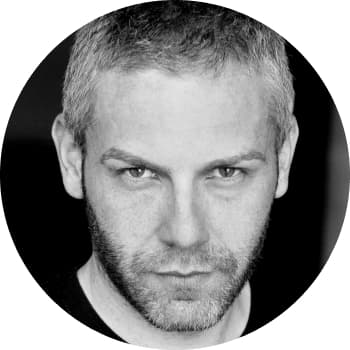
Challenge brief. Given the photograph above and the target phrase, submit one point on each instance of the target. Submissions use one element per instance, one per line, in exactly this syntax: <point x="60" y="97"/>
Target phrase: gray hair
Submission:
<point x="175" y="36"/>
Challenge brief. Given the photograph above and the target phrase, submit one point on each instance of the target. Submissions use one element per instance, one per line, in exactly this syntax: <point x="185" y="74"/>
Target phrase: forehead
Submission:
<point x="152" y="111"/>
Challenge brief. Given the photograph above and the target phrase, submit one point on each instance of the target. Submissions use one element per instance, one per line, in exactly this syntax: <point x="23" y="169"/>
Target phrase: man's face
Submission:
<point x="180" y="173"/>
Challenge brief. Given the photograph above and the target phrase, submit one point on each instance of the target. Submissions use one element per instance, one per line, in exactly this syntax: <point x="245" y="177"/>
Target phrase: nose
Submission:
<point x="184" y="224"/>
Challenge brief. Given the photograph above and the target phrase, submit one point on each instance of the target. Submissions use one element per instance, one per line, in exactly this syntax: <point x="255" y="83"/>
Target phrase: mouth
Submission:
<point x="180" y="274"/>
<point x="183" y="280"/>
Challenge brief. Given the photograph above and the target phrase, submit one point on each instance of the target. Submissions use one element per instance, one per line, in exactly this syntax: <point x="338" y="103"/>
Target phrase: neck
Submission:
<point x="118" y="314"/>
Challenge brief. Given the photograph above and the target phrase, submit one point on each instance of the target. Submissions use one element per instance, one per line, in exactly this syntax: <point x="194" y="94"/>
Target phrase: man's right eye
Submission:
<point x="138" y="173"/>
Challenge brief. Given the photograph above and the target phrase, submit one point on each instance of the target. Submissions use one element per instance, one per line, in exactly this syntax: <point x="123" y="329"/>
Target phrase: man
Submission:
<point x="178" y="132"/>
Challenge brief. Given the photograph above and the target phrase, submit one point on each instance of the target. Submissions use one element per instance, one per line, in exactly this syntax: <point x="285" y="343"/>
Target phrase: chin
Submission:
<point x="185" y="308"/>
<point x="184" y="315"/>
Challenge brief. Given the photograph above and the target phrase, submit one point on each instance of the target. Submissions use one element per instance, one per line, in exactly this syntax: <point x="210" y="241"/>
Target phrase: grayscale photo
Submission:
<point x="187" y="175"/>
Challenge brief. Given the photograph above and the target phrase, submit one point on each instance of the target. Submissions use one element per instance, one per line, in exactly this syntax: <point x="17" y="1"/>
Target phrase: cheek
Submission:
<point x="129" y="218"/>
<point x="238" y="221"/>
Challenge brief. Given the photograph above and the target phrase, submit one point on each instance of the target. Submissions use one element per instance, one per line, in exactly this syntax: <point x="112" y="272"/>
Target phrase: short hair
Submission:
<point x="175" y="36"/>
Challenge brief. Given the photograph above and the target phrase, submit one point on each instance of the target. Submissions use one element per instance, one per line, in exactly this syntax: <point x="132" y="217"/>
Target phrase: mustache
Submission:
<point x="204" y="258"/>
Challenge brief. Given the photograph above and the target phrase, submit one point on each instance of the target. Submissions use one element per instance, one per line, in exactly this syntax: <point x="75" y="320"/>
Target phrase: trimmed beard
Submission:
<point x="184" y="309"/>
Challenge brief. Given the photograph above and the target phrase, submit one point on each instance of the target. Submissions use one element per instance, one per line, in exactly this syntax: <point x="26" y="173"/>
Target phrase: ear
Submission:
<point x="70" y="157"/>
<point x="285" y="157"/>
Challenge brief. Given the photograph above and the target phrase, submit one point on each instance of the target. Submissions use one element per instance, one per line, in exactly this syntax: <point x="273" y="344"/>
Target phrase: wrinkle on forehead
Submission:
<point x="154" y="112"/>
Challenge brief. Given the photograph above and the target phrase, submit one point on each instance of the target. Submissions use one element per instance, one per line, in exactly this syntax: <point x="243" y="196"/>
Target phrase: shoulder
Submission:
<point x="66" y="291"/>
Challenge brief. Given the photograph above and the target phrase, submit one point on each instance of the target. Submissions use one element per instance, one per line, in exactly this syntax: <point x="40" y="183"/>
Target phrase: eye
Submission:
<point x="227" y="175"/>
<point x="226" y="172"/>
<point x="139" y="172"/>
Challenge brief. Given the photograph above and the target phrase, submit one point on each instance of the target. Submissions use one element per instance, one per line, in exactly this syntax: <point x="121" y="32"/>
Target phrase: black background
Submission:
<point x="49" y="227"/>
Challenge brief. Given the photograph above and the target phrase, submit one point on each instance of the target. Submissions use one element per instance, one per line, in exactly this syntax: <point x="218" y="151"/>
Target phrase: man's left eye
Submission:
<point x="226" y="172"/>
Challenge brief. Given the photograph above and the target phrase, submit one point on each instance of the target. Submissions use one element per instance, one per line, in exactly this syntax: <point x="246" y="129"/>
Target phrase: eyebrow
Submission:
<point x="231" y="161"/>
<point x="127" y="157"/>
